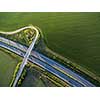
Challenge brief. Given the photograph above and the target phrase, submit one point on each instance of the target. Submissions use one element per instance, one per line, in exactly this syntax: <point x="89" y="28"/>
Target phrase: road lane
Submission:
<point x="47" y="67"/>
<point x="50" y="62"/>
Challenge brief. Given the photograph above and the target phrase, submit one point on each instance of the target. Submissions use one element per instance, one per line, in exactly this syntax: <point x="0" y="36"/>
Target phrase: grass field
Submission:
<point x="73" y="35"/>
<point x="7" y="67"/>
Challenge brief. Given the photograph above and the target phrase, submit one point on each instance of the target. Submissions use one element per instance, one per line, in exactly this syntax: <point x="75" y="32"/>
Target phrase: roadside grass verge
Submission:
<point x="15" y="73"/>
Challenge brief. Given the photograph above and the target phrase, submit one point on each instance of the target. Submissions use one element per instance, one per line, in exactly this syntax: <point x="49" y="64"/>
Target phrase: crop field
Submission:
<point x="7" y="67"/>
<point x="73" y="35"/>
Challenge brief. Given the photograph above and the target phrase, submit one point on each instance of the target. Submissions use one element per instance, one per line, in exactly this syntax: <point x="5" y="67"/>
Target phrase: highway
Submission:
<point x="72" y="78"/>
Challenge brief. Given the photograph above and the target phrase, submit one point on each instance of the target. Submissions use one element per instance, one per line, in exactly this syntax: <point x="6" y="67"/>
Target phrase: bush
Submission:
<point x="22" y="77"/>
<point x="19" y="82"/>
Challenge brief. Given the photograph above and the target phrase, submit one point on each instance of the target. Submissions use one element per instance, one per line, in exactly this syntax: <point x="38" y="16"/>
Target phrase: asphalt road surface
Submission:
<point x="67" y="75"/>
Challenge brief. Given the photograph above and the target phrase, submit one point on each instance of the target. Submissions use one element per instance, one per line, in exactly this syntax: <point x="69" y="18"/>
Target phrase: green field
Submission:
<point x="7" y="67"/>
<point x="73" y="35"/>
